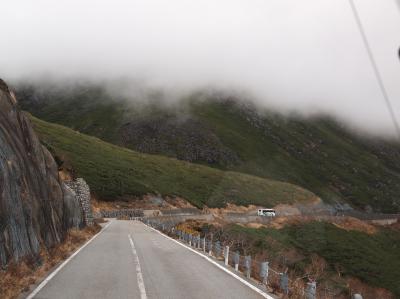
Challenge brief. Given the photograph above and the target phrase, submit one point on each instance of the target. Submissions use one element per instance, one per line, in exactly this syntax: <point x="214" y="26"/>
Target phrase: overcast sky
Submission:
<point x="305" y="55"/>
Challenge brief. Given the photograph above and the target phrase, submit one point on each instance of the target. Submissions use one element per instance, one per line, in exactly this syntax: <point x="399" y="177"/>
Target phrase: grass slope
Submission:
<point x="374" y="259"/>
<point x="316" y="154"/>
<point x="112" y="172"/>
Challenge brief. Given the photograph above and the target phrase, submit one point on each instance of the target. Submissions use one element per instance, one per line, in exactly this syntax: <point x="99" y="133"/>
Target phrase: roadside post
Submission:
<point x="236" y="259"/>
<point x="247" y="264"/>
<point x="226" y="255"/>
<point x="217" y="249"/>
<point x="284" y="283"/>
<point x="264" y="272"/>
<point x="311" y="290"/>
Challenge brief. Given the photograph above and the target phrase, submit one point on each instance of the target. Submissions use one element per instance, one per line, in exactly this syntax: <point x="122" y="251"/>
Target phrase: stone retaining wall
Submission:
<point x="82" y="192"/>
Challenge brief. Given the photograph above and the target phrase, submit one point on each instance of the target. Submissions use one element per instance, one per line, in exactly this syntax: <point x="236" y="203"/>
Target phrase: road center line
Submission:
<point x="139" y="275"/>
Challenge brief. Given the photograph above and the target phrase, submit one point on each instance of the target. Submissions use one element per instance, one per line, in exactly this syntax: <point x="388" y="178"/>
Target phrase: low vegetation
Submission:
<point x="114" y="172"/>
<point x="374" y="259"/>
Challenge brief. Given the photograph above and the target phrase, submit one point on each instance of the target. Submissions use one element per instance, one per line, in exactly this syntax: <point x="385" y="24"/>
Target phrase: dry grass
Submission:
<point x="349" y="223"/>
<point x="232" y="208"/>
<point x="190" y="227"/>
<point x="368" y="291"/>
<point x="178" y="203"/>
<point x="346" y="223"/>
<point x="142" y="202"/>
<point x="19" y="277"/>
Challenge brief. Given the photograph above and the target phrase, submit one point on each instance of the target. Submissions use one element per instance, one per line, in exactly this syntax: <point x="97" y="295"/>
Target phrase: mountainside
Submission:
<point x="36" y="208"/>
<point x="116" y="173"/>
<point x="317" y="153"/>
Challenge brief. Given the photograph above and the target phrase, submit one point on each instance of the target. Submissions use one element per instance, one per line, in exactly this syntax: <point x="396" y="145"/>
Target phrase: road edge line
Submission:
<point x="139" y="275"/>
<point x="254" y="288"/>
<point x="54" y="273"/>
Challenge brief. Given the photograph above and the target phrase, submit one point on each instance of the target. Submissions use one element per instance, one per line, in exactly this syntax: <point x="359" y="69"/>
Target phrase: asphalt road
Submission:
<point x="152" y="267"/>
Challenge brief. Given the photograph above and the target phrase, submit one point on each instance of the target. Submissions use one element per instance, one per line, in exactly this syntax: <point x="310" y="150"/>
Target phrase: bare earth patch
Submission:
<point x="232" y="208"/>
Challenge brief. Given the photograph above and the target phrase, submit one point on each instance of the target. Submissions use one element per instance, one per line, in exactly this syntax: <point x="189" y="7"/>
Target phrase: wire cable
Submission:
<point x="375" y="66"/>
<point x="398" y="4"/>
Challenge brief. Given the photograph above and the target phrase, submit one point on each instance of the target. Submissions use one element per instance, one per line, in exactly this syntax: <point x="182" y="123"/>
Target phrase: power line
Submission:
<point x="398" y="4"/>
<point x="375" y="66"/>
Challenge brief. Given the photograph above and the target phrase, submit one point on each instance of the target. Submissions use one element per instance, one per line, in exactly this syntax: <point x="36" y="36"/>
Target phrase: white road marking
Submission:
<point x="139" y="275"/>
<point x="48" y="278"/>
<point x="254" y="288"/>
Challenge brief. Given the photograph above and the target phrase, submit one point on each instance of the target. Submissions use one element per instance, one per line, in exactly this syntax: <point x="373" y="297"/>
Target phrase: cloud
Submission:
<point x="290" y="55"/>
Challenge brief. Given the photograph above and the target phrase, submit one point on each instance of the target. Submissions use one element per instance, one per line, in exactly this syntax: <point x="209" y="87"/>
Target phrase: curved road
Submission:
<point x="147" y="266"/>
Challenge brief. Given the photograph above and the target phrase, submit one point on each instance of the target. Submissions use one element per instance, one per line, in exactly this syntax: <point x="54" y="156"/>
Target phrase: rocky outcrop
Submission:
<point x="36" y="208"/>
<point x="186" y="139"/>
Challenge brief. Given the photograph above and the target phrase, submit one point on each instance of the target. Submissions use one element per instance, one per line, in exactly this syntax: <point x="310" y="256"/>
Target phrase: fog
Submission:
<point x="305" y="56"/>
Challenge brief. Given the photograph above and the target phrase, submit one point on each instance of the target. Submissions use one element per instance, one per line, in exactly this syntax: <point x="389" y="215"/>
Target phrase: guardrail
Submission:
<point x="122" y="213"/>
<point x="351" y="213"/>
<point x="182" y="211"/>
<point x="247" y="265"/>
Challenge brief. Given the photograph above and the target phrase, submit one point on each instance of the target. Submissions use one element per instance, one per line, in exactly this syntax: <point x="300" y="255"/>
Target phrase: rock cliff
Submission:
<point x="36" y="208"/>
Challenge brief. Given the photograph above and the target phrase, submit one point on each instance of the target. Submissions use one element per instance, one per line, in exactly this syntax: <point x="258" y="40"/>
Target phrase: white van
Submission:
<point x="266" y="212"/>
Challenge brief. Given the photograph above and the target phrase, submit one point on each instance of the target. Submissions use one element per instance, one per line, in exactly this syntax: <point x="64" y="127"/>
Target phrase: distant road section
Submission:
<point x="130" y="260"/>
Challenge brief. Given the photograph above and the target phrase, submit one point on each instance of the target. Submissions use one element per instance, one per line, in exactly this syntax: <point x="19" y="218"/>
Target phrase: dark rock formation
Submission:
<point x="185" y="139"/>
<point x="36" y="208"/>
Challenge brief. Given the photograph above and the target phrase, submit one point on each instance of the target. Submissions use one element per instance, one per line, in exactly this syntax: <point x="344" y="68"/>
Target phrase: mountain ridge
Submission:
<point x="315" y="153"/>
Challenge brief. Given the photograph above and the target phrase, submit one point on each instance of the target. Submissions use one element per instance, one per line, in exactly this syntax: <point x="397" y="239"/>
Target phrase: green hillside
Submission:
<point x="317" y="153"/>
<point x="114" y="172"/>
